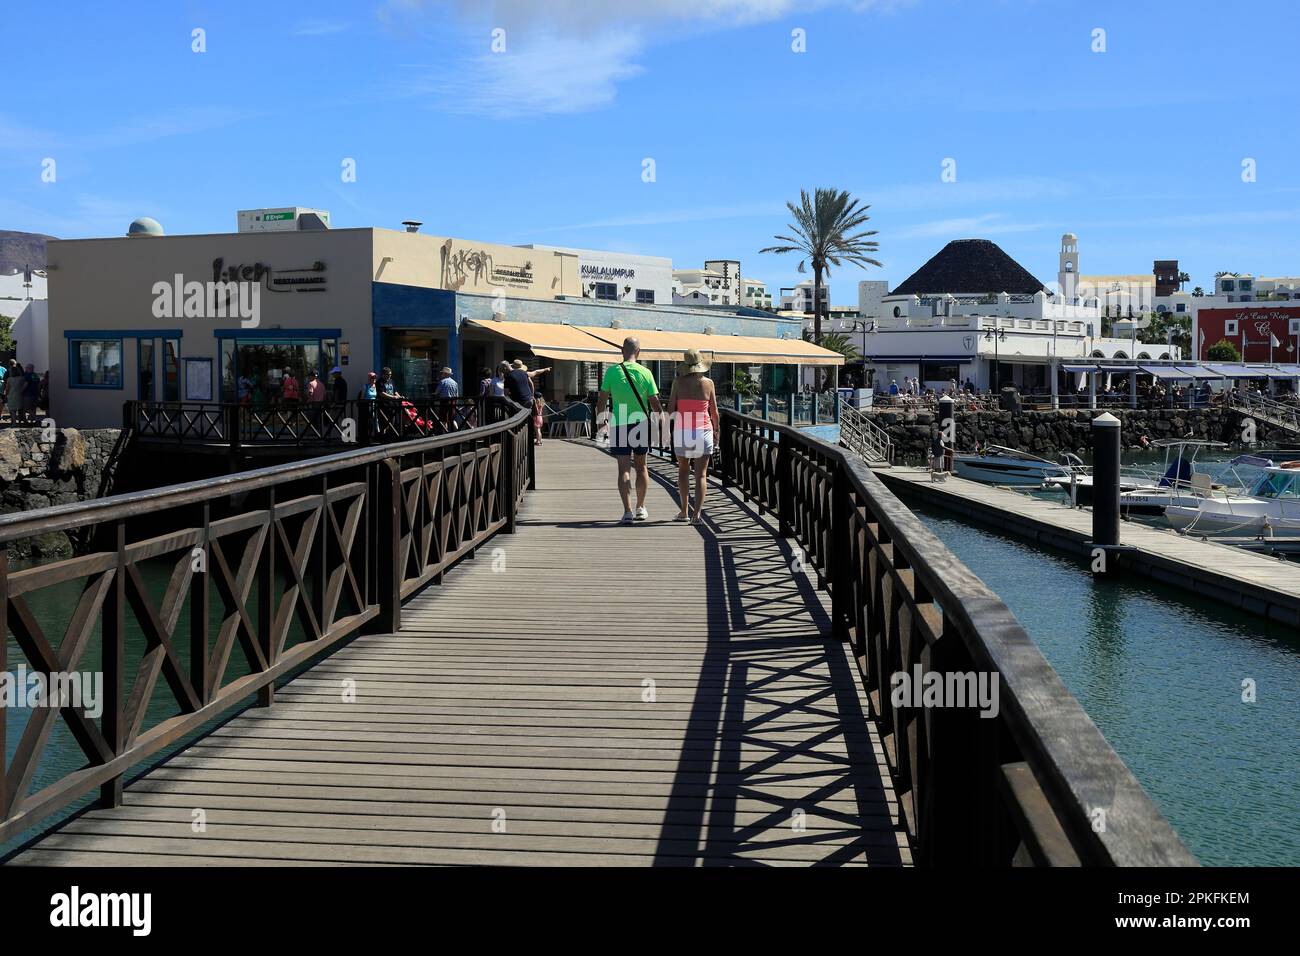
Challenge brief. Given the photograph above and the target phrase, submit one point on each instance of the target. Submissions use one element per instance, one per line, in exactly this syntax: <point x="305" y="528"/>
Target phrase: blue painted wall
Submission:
<point x="410" y="307"/>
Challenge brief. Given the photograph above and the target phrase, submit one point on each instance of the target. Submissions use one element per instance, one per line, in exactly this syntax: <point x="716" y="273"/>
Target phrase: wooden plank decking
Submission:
<point x="505" y="724"/>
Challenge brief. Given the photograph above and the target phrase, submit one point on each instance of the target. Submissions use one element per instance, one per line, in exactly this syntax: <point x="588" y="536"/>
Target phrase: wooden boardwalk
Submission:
<point x="1253" y="582"/>
<point x="579" y="694"/>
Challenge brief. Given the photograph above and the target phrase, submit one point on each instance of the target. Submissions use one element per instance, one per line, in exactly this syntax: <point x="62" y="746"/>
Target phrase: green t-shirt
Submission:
<point x="625" y="409"/>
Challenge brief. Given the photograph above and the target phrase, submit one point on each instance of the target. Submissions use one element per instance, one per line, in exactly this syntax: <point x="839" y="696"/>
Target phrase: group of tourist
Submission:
<point x="23" y="392"/>
<point x="515" y="381"/>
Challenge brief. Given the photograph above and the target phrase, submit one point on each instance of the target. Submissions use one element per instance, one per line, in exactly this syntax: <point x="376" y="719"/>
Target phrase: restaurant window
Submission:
<point x="252" y="368"/>
<point x="95" y="363"/>
<point x="645" y="296"/>
<point x="607" y="291"/>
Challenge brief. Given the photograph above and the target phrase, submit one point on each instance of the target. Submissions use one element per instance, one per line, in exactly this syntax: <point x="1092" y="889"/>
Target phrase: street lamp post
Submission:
<point x="996" y="336"/>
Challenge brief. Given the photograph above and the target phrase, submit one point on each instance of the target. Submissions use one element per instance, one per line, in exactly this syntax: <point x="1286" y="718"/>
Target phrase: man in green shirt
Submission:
<point x="630" y="392"/>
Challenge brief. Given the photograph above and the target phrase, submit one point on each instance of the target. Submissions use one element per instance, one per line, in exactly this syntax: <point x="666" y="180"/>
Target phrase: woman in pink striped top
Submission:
<point x="693" y="411"/>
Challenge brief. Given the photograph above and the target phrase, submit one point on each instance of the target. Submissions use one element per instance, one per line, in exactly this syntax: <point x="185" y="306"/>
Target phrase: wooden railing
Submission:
<point x="1035" y="784"/>
<point x="299" y="424"/>
<point x="331" y="545"/>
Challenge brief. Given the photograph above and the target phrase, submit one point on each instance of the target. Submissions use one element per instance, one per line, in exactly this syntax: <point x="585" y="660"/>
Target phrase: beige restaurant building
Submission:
<point x="133" y="318"/>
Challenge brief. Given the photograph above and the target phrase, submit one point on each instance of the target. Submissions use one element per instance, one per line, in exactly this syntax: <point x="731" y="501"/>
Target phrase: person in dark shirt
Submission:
<point x="338" y="385"/>
<point x="519" y="387"/>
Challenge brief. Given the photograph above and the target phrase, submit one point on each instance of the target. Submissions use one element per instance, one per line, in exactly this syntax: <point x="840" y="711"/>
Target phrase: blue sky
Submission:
<point x="1138" y="149"/>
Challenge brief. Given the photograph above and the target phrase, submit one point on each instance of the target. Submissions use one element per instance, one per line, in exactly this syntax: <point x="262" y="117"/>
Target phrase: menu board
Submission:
<point x="198" y="380"/>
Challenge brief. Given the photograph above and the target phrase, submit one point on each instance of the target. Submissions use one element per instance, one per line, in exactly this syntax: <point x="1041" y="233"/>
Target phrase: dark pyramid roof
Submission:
<point x="965" y="266"/>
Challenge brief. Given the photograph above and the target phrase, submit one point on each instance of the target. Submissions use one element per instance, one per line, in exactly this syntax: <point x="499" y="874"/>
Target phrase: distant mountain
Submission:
<point x="21" y="249"/>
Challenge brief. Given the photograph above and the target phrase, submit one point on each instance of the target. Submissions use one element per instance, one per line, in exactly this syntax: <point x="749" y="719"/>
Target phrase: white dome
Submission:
<point x="144" y="226"/>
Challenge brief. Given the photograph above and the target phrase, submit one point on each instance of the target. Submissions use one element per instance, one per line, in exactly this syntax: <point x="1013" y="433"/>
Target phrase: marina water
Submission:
<point x="1160" y="673"/>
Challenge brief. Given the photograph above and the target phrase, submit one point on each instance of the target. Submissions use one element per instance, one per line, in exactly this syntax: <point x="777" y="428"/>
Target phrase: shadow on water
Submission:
<point x="1165" y="675"/>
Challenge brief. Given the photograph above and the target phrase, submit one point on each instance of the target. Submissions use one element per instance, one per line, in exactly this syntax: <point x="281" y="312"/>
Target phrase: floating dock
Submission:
<point x="1259" y="583"/>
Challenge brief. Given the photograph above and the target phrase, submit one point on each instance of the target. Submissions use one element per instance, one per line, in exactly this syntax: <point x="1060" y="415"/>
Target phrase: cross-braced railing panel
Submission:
<point x="1033" y="782"/>
<point x="192" y="597"/>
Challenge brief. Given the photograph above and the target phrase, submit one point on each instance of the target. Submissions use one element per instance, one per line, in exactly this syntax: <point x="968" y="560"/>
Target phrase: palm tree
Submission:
<point x="1183" y="279"/>
<point x="824" y="234"/>
<point x="1198" y="292"/>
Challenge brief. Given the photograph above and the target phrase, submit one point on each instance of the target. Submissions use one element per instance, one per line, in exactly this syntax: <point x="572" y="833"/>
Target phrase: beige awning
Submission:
<point x="761" y="350"/>
<point x="564" y="342"/>
<point x="656" y="345"/>
<point x="741" y="349"/>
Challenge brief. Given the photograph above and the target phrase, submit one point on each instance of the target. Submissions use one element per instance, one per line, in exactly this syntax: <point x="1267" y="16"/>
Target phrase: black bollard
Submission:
<point x="948" y="429"/>
<point x="1105" y="481"/>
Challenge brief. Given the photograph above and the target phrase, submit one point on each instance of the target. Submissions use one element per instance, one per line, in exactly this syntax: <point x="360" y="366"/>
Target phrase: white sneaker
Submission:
<point x="627" y="518"/>
<point x="641" y="514"/>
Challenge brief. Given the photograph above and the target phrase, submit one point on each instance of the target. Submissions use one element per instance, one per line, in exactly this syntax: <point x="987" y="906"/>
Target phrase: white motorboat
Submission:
<point x="1270" y="509"/>
<point x="1179" y="484"/>
<point x="998" y="465"/>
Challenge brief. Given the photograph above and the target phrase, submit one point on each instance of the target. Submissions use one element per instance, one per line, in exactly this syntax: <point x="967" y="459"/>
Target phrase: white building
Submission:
<point x="719" y="280"/>
<point x="23" y="298"/>
<point x="620" y="276"/>
<point x="799" y="298"/>
<point x="973" y="314"/>
<point x="755" y="294"/>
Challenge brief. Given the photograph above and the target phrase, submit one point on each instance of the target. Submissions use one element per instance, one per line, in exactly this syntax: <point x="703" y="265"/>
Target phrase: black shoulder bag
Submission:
<point x="639" y="400"/>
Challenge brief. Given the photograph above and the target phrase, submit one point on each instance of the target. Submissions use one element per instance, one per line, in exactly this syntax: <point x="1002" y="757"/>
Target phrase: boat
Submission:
<point x="1077" y="485"/>
<point x="1179" y="484"/>
<point x="1270" y="509"/>
<point x="998" y="465"/>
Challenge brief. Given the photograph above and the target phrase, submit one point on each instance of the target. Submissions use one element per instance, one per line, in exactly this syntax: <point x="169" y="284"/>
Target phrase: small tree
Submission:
<point x="744" y="384"/>
<point x="6" y="334"/>
<point x="1223" y="351"/>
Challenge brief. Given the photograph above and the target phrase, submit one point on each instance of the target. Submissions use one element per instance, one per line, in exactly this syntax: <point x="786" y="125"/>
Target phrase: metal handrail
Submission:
<point x="1275" y="413"/>
<point x="864" y="437"/>
<point x="1037" y="782"/>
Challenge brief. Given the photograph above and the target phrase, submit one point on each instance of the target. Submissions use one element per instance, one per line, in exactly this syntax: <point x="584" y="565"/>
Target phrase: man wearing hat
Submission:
<point x="630" y="392"/>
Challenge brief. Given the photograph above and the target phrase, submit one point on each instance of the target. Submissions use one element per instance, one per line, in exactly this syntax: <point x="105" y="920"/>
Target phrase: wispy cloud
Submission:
<point x="554" y="74"/>
<point x="569" y="56"/>
<point x="319" y="28"/>
<point x="989" y="224"/>
<point x="661" y="217"/>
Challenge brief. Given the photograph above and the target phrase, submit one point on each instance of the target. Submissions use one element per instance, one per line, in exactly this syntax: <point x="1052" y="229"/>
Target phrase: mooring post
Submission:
<point x="948" y="429"/>
<point x="1105" y="489"/>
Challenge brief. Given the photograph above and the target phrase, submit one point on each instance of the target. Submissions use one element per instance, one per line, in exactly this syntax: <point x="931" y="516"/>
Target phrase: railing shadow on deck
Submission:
<point x="749" y="656"/>
<point x="285" y="562"/>
<point x="1035" y="785"/>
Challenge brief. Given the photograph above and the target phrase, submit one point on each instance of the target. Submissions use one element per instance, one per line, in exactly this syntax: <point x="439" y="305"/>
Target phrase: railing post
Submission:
<point x="724" y="450"/>
<point x="388" y="541"/>
<point x="835" y="407"/>
<point x="268" y="591"/>
<point x="113" y="633"/>
<point x="506" y="486"/>
<point x="232" y="426"/>
<point x="767" y="404"/>
<point x="790" y="412"/>
<point x="839" y="561"/>
<point x="784" y="485"/>
<point x="532" y="454"/>
<point x="199" y="615"/>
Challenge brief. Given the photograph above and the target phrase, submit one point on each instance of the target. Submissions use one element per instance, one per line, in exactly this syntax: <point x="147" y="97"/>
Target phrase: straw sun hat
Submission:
<point x="694" y="362"/>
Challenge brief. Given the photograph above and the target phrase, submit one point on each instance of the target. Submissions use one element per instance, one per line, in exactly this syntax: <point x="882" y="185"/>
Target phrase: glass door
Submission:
<point x="145" y="370"/>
